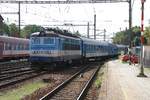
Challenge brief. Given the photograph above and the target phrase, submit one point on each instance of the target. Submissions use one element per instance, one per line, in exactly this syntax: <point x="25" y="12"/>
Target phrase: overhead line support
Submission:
<point x="63" y="2"/>
<point x="19" y="18"/>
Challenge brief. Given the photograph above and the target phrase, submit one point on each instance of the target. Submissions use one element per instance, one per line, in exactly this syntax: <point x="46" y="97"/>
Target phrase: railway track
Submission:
<point x="75" y="87"/>
<point x="13" y="65"/>
<point x="15" y="72"/>
<point x="8" y="76"/>
<point x="11" y="80"/>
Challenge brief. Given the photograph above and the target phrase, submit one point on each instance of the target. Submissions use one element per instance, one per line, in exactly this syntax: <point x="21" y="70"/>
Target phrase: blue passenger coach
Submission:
<point x="94" y="48"/>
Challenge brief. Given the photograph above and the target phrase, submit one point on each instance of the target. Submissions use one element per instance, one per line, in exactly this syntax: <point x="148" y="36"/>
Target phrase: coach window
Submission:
<point x="27" y="47"/>
<point x="78" y="47"/>
<point x="93" y="48"/>
<point x="75" y="47"/>
<point x="5" y="46"/>
<point x="104" y="48"/>
<point x="101" y="48"/>
<point x="9" y="46"/>
<point x="13" y="47"/>
<point x="19" y="48"/>
<point x="16" y="47"/>
<point x="87" y="47"/>
<point x="22" y="47"/>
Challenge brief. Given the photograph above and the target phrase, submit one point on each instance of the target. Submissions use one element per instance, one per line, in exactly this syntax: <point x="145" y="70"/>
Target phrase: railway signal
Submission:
<point x="141" y="74"/>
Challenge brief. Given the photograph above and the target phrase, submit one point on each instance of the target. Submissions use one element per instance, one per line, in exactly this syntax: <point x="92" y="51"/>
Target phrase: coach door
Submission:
<point x="1" y="48"/>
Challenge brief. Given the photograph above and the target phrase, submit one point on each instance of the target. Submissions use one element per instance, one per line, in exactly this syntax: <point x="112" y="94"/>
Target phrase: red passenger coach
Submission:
<point x="13" y="48"/>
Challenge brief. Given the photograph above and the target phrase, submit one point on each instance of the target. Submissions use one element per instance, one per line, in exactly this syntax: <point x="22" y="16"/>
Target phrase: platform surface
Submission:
<point x="121" y="83"/>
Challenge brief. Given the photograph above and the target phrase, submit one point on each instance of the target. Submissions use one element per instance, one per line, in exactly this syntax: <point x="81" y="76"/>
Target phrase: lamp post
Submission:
<point x="141" y="74"/>
<point x="130" y="32"/>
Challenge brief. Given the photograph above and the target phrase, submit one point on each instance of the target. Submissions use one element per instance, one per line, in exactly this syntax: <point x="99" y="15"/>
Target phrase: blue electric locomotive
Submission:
<point x="50" y="47"/>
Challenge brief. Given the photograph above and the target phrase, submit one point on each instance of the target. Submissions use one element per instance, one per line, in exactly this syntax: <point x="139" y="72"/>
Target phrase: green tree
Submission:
<point x="136" y="34"/>
<point x="27" y="30"/>
<point x="4" y="29"/>
<point x="123" y="37"/>
<point x="147" y="34"/>
<point x="14" y="30"/>
<point x="77" y="33"/>
<point x="136" y="41"/>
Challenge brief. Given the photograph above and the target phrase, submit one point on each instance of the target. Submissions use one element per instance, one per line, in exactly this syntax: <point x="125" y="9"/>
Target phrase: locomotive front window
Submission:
<point x="48" y="40"/>
<point x="35" y="40"/>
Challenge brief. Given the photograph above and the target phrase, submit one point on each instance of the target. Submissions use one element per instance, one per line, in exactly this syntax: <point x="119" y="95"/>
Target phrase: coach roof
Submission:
<point x="13" y="39"/>
<point x="91" y="41"/>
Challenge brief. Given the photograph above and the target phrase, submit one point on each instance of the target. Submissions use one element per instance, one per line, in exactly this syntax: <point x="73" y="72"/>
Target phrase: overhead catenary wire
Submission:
<point x="31" y="12"/>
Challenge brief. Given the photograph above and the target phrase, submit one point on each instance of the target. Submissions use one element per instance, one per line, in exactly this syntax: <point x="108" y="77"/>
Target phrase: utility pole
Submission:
<point x="104" y="35"/>
<point x="141" y="74"/>
<point x="19" y="17"/>
<point x="94" y="26"/>
<point x="130" y="32"/>
<point x="88" y="36"/>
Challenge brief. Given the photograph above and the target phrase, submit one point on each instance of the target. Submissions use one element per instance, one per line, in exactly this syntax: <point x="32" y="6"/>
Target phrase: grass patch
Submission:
<point x="101" y="76"/>
<point x="147" y="69"/>
<point x="26" y="89"/>
<point x="98" y="83"/>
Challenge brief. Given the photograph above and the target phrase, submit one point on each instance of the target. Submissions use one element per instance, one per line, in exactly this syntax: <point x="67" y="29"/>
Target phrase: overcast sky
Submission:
<point x="110" y="16"/>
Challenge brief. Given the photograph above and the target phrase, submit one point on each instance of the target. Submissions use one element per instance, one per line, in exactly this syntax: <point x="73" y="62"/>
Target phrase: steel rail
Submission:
<point x="85" y="89"/>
